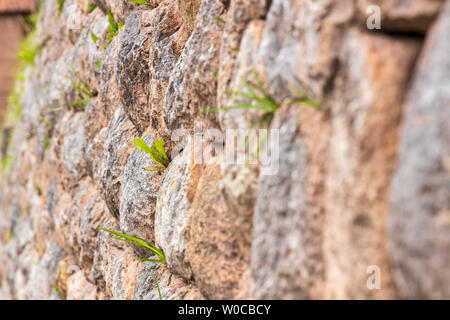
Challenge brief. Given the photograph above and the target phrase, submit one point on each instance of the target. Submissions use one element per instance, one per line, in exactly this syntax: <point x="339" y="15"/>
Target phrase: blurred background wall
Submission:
<point x="11" y="35"/>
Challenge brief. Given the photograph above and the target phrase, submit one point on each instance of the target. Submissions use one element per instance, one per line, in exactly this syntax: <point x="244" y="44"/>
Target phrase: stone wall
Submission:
<point x="363" y="184"/>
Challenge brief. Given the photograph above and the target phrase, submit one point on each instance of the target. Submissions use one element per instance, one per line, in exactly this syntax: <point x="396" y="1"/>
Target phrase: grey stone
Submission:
<point x="173" y="211"/>
<point x="117" y="148"/>
<point x="286" y="249"/>
<point x="43" y="275"/>
<point x="192" y="88"/>
<point x="419" y="226"/>
<point x="150" y="45"/>
<point x="139" y="192"/>
<point x="73" y="147"/>
<point x="404" y="16"/>
<point x="309" y="31"/>
<point x="108" y="87"/>
<point x="132" y="69"/>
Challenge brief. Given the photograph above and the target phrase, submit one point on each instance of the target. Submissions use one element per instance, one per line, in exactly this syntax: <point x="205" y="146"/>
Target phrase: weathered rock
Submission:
<point x="240" y="14"/>
<point x="361" y="158"/>
<point x="117" y="148"/>
<point x="189" y="10"/>
<point x="108" y="87"/>
<point x="217" y="253"/>
<point x="168" y="39"/>
<point x="120" y="9"/>
<point x="246" y="64"/>
<point x="240" y="186"/>
<point x="110" y="260"/>
<point x="145" y="283"/>
<point x="95" y="128"/>
<point x="96" y="49"/>
<point x="72" y="210"/>
<point x="420" y="203"/>
<point x="78" y="288"/>
<point x="312" y="225"/>
<point x="312" y="32"/>
<point x="84" y="52"/>
<point x="173" y="207"/>
<point x="134" y="43"/>
<point x="404" y="16"/>
<point x="150" y="45"/>
<point x="139" y="192"/>
<point x="43" y="226"/>
<point x="191" y="87"/>
<point x="73" y="148"/>
<point x="146" y="289"/>
<point x="33" y="104"/>
<point x="286" y="257"/>
<point x="312" y="210"/>
<point x="79" y="219"/>
<point x="43" y="275"/>
<point x="90" y="220"/>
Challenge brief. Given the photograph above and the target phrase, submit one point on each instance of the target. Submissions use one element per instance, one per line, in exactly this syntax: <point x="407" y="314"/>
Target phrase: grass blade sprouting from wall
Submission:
<point x="157" y="285"/>
<point x="256" y="97"/>
<point x="141" y="243"/>
<point x="141" y="2"/>
<point x="156" y="152"/>
<point x="146" y="245"/>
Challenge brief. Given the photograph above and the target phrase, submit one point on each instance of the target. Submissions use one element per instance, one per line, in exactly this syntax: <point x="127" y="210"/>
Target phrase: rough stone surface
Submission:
<point x="150" y="45"/>
<point x="117" y="149"/>
<point x="189" y="9"/>
<point x="292" y="224"/>
<point x="145" y="288"/>
<point x="245" y="65"/>
<point x="173" y="207"/>
<point x="420" y="205"/>
<point x="42" y="275"/>
<point x="192" y="88"/>
<point x="360" y="186"/>
<point x="361" y="158"/>
<point x="138" y="195"/>
<point x="240" y="14"/>
<point x="404" y="16"/>
<point x="217" y="252"/>
<point x="108" y="88"/>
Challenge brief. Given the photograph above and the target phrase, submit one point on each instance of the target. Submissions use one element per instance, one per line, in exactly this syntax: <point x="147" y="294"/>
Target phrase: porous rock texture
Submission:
<point x="362" y="182"/>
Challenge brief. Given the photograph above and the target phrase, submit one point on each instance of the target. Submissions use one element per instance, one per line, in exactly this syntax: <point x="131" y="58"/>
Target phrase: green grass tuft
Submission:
<point x="141" y="2"/>
<point x="6" y="163"/>
<point x="141" y="243"/>
<point x="58" y="292"/>
<point x="257" y="98"/>
<point x="157" y="152"/>
<point x="47" y="142"/>
<point x="60" y="5"/>
<point x="28" y="50"/>
<point x="157" y="285"/>
<point x="27" y="54"/>
<point x="10" y="235"/>
<point x="94" y="37"/>
<point x="82" y="88"/>
<point x="113" y="27"/>
<point x="98" y="63"/>
<point x="146" y="245"/>
<point x="91" y="7"/>
<point x="221" y="19"/>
